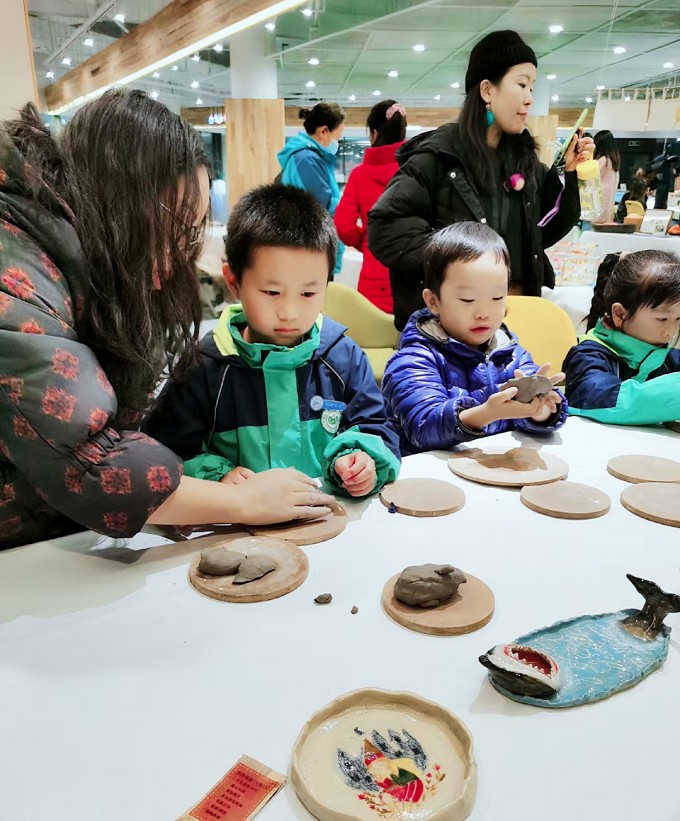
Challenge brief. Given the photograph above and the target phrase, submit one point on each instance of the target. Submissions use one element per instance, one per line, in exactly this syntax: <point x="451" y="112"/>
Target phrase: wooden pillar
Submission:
<point x="17" y="72"/>
<point x="255" y="135"/>
<point x="544" y="130"/>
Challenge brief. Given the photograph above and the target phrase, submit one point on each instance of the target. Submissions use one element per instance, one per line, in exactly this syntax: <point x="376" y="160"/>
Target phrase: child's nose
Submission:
<point x="287" y="310"/>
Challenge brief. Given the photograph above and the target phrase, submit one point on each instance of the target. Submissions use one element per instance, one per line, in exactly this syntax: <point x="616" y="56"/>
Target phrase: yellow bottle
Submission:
<point x="589" y="189"/>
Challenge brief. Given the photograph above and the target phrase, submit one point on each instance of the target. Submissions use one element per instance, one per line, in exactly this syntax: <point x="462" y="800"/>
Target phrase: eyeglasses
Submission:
<point x="194" y="230"/>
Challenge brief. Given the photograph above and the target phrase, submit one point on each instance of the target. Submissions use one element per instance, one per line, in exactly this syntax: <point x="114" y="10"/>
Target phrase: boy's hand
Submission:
<point x="237" y="476"/>
<point x="547" y="404"/>
<point x="357" y="473"/>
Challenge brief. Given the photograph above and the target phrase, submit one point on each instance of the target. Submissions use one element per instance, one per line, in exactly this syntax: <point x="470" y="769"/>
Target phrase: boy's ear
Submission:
<point x="231" y="281"/>
<point x="431" y="300"/>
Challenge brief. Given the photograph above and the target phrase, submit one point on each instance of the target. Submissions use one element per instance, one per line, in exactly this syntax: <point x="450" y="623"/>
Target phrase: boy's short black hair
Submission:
<point x="272" y="215"/>
<point x="460" y="242"/>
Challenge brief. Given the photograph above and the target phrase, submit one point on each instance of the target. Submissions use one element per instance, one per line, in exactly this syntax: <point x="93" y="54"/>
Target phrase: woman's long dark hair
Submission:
<point x="388" y="131"/>
<point x="643" y="279"/>
<point x="517" y="152"/>
<point x="605" y="146"/>
<point x="127" y="167"/>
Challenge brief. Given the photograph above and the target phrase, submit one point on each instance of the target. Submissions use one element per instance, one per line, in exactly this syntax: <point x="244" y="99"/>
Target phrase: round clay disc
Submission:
<point x="291" y="571"/>
<point x="566" y="500"/>
<point x="423" y="497"/>
<point x="674" y="426"/>
<point x="508" y="467"/>
<point x="305" y="533"/>
<point x="644" y="469"/>
<point x="471" y="608"/>
<point x="656" y="501"/>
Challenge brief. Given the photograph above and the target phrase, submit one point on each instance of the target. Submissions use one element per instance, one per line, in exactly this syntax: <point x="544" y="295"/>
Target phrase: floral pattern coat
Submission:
<point x="70" y="458"/>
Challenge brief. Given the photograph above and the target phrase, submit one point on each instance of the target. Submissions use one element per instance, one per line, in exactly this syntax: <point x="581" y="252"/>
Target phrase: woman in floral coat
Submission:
<point x="99" y="236"/>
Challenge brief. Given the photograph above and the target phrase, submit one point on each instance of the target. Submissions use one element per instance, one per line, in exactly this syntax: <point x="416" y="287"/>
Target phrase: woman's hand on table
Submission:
<point x="280" y="495"/>
<point x="581" y="149"/>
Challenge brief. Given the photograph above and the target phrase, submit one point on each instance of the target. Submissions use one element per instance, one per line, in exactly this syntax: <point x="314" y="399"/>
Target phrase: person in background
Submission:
<point x="99" y="236"/>
<point x="609" y="159"/>
<point x="625" y="370"/>
<point x="386" y="125"/>
<point x="483" y="168"/>
<point x="637" y="192"/>
<point x="308" y="160"/>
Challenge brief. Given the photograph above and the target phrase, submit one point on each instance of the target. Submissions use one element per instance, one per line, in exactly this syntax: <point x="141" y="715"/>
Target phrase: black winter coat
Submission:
<point x="432" y="190"/>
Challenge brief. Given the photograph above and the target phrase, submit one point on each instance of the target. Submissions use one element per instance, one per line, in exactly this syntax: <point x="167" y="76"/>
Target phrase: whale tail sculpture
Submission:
<point x="646" y="623"/>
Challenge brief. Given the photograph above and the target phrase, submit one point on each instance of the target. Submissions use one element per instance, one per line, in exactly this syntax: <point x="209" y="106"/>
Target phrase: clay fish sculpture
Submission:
<point x="645" y="624"/>
<point x="522" y="670"/>
<point x="528" y="387"/>
<point x="428" y="585"/>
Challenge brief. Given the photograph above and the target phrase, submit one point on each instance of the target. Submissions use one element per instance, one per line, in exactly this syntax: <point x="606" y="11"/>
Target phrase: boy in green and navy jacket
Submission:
<point x="278" y="384"/>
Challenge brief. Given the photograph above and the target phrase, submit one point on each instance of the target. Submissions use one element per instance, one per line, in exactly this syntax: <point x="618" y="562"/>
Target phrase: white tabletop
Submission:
<point x="609" y="243"/>
<point x="127" y="695"/>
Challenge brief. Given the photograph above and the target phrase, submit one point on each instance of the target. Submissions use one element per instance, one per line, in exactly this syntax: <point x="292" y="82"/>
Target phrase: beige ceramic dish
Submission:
<point x="420" y="767"/>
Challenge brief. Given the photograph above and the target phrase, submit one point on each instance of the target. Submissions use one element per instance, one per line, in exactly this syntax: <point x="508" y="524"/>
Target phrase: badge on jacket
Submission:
<point x="332" y="412"/>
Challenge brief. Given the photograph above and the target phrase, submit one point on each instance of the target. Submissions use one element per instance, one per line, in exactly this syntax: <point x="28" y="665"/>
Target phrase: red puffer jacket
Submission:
<point x="364" y="187"/>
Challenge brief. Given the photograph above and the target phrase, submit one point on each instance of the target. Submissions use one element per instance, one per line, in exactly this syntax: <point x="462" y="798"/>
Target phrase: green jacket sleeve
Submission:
<point x="640" y="403"/>
<point x="208" y="466"/>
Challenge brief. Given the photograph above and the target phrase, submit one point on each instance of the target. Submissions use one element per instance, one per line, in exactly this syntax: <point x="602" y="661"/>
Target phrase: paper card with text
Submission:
<point x="240" y="795"/>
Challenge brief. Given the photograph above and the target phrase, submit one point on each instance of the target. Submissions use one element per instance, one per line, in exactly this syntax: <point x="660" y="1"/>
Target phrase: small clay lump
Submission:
<point x="428" y="585"/>
<point x="220" y="561"/>
<point x="528" y="387"/>
<point x="254" y="567"/>
<point x="324" y="598"/>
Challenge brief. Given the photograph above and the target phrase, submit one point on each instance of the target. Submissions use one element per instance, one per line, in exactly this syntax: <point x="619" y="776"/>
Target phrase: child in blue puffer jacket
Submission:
<point x="442" y="385"/>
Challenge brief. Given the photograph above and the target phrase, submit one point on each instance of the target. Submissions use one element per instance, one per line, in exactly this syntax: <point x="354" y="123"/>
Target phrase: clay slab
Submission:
<point x="420" y="737"/>
<point x="423" y="497"/>
<point x="291" y="571"/>
<point x="469" y="609"/>
<point x="508" y="467"/>
<point x="656" y="501"/>
<point x="644" y="469"/>
<point x="306" y="533"/>
<point x="566" y="500"/>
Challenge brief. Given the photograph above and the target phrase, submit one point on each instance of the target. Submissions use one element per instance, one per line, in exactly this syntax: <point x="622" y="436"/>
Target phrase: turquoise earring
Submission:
<point x="489" y="116"/>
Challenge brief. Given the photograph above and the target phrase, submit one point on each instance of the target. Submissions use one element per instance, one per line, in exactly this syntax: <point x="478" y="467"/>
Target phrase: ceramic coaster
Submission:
<point x="423" y="497"/>
<point x="306" y="533"/>
<point x="471" y="608"/>
<point x="566" y="500"/>
<point x="656" y="501"/>
<point x="291" y="571"/>
<point x="674" y="426"/>
<point x="644" y="469"/>
<point x="508" y="467"/>
<point x="376" y="754"/>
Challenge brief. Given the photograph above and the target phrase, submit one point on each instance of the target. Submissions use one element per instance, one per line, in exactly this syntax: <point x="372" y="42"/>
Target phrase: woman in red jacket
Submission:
<point x="386" y="124"/>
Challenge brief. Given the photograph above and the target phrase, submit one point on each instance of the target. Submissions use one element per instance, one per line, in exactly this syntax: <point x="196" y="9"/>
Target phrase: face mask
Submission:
<point x="333" y="146"/>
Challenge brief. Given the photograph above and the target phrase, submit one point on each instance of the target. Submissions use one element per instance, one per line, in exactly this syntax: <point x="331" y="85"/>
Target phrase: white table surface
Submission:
<point x="611" y="243"/>
<point x="106" y="668"/>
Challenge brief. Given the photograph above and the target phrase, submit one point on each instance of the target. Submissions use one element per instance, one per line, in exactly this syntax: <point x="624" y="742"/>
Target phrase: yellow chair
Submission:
<point x="635" y="207"/>
<point x="372" y="329"/>
<point x="542" y="327"/>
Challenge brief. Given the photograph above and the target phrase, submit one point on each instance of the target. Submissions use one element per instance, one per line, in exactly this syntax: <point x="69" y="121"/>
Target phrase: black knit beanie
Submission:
<point x="495" y="54"/>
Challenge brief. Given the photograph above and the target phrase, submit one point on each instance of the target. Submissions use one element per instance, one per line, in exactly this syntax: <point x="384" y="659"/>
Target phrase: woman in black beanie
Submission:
<point x="483" y="168"/>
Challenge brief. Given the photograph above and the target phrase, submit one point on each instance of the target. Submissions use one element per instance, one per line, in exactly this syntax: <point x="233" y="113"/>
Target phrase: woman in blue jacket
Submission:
<point x="308" y="159"/>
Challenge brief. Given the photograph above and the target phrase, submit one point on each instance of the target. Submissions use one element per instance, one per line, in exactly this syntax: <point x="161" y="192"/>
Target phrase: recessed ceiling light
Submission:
<point x="555" y="29"/>
<point x="199" y="101"/>
<point x="194" y="83"/>
<point x="307" y="12"/>
<point x="376" y="93"/>
<point x="352" y="97"/>
<point x="627" y="99"/>
<point x="455" y="85"/>
<point x="270" y="26"/>
<point x="589" y="99"/>
<point x="314" y="61"/>
<point x="218" y="47"/>
<point x="156" y="75"/>
<point x="619" y="50"/>
<point x="310" y="84"/>
<point x="196" y="58"/>
<point x="437" y="96"/>
<point x="419" y="47"/>
<point x="119" y="18"/>
<point x="89" y="42"/>
<point x="49" y="75"/>
<point x="393" y="73"/>
<point x="154" y="94"/>
<point x="66" y="61"/>
<point x="175" y="68"/>
<point x="551" y="76"/>
<point x="668" y="65"/>
<point x="555" y="98"/>
<point x="599" y="88"/>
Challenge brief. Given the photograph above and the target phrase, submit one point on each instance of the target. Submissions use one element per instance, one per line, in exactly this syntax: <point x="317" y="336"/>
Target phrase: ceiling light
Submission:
<point x="307" y="12"/>
<point x="194" y="83"/>
<point x="376" y="93"/>
<point x="627" y="99"/>
<point x="270" y="26"/>
<point x="668" y="65"/>
<point x="119" y="18"/>
<point x="218" y="47"/>
<point x="175" y="67"/>
<point x="89" y="42"/>
<point x="455" y="85"/>
<point x="156" y="75"/>
<point x="314" y="61"/>
<point x="555" y="29"/>
<point x="589" y="99"/>
<point x="211" y="119"/>
<point x="551" y="76"/>
<point x="199" y="101"/>
<point x="196" y="58"/>
<point x="66" y="61"/>
<point x="393" y="73"/>
<point x="352" y="97"/>
<point x="555" y="98"/>
<point x="154" y="94"/>
<point x="49" y="75"/>
<point x="419" y="47"/>
<point x="599" y="88"/>
<point x="619" y="50"/>
<point x="437" y="96"/>
<point x="310" y="84"/>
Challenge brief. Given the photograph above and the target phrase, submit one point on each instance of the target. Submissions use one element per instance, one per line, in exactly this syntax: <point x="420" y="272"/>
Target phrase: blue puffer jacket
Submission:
<point x="432" y="378"/>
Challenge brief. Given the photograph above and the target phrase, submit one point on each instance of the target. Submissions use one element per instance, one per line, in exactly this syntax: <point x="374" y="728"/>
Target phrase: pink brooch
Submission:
<point x="516" y="182"/>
